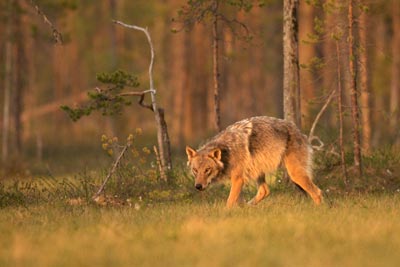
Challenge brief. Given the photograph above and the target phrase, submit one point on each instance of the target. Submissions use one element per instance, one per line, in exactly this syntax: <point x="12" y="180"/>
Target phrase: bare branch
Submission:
<point x="324" y="107"/>
<point x="56" y="34"/>
<point x="231" y="22"/>
<point x="140" y="102"/>
<point x="146" y="32"/>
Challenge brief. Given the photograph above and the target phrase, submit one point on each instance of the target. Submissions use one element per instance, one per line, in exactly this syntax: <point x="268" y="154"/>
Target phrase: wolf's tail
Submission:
<point x="298" y="162"/>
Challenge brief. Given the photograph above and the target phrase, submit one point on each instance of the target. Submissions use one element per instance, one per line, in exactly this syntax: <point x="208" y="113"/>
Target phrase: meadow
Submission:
<point x="284" y="230"/>
<point x="49" y="220"/>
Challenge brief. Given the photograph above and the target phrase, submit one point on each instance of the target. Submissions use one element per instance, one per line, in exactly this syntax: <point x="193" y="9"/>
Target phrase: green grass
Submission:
<point x="284" y="230"/>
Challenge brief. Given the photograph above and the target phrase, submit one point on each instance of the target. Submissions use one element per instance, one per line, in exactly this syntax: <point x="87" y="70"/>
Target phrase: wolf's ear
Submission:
<point x="190" y="152"/>
<point x="216" y="153"/>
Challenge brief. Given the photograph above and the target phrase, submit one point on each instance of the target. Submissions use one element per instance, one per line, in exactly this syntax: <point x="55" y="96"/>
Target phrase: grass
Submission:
<point x="284" y="230"/>
<point x="52" y="221"/>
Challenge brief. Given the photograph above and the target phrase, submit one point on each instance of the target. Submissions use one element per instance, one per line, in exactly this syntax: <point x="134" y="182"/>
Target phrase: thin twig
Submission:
<point x="56" y="34"/>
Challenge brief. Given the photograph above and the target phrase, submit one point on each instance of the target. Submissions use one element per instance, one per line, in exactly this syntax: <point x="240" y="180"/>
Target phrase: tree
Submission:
<point x="339" y="92"/>
<point x="291" y="81"/>
<point x="20" y="71"/>
<point x="395" y="80"/>
<point x="216" y="72"/>
<point x="7" y="81"/>
<point x="198" y="11"/>
<point x="110" y="101"/>
<point x="364" y="82"/>
<point x="355" y="115"/>
<point x="306" y="57"/>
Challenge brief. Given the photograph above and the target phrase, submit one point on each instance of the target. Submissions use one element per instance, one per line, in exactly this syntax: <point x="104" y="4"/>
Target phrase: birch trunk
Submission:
<point x="291" y="82"/>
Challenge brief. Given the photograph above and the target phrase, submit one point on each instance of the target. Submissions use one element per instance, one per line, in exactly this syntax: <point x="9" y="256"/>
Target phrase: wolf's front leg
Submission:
<point x="263" y="190"/>
<point x="234" y="194"/>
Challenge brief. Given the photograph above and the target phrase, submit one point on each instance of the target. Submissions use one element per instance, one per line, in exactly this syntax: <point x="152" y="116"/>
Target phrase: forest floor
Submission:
<point x="284" y="230"/>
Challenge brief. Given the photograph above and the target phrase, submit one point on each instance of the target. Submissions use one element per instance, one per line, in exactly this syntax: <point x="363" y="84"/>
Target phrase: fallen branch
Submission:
<point x="111" y="172"/>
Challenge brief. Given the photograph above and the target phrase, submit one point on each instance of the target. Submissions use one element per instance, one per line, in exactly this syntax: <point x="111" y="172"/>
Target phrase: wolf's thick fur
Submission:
<point x="249" y="149"/>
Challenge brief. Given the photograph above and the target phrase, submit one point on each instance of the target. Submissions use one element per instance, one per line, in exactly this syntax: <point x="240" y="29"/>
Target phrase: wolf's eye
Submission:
<point x="194" y="170"/>
<point x="207" y="171"/>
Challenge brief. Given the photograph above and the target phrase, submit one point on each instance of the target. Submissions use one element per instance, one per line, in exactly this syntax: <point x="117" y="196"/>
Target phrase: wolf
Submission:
<point x="248" y="150"/>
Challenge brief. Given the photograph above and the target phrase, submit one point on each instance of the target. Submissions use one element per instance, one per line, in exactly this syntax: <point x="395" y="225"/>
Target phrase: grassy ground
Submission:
<point x="284" y="230"/>
<point x="52" y="221"/>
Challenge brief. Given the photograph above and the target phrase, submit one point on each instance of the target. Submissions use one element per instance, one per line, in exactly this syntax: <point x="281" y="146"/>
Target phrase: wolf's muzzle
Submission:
<point x="199" y="187"/>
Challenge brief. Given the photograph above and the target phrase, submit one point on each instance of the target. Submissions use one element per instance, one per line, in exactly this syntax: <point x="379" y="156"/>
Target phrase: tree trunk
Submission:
<point x="354" y="90"/>
<point x="364" y="84"/>
<point x="306" y="23"/>
<point x="328" y="75"/>
<point x="7" y="83"/>
<point x="20" y="81"/>
<point x="340" y="112"/>
<point x="395" y="81"/>
<point x="291" y="82"/>
<point x="111" y="8"/>
<point x="216" y="73"/>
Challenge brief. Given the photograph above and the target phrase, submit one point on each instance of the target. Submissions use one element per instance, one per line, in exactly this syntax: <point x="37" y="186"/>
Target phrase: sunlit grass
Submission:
<point x="285" y="230"/>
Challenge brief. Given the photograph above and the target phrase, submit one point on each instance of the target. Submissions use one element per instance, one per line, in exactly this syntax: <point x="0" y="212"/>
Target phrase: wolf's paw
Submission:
<point x="252" y="202"/>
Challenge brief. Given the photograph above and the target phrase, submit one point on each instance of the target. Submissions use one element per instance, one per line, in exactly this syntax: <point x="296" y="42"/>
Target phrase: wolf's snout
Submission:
<point x="199" y="187"/>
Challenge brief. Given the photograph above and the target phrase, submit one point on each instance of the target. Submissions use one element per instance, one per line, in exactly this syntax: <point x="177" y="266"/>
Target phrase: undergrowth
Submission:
<point x="136" y="181"/>
<point x="381" y="172"/>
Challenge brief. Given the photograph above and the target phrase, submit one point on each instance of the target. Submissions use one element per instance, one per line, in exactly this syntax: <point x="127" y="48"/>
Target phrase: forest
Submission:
<point x="251" y="71"/>
<point x="100" y="98"/>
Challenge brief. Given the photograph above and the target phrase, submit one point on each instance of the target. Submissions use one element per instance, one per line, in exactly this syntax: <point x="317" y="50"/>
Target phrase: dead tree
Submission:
<point x="162" y="132"/>
<point x="111" y="101"/>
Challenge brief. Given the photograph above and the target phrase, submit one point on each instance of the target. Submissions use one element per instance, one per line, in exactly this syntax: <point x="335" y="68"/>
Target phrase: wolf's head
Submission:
<point x="205" y="166"/>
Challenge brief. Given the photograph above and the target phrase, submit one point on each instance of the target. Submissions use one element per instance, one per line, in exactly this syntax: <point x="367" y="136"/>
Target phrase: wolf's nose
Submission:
<point x="199" y="186"/>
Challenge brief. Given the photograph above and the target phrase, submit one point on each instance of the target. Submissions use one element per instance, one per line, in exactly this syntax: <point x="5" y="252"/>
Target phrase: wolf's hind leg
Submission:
<point x="297" y="164"/>
<point x="262" y="192"/>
